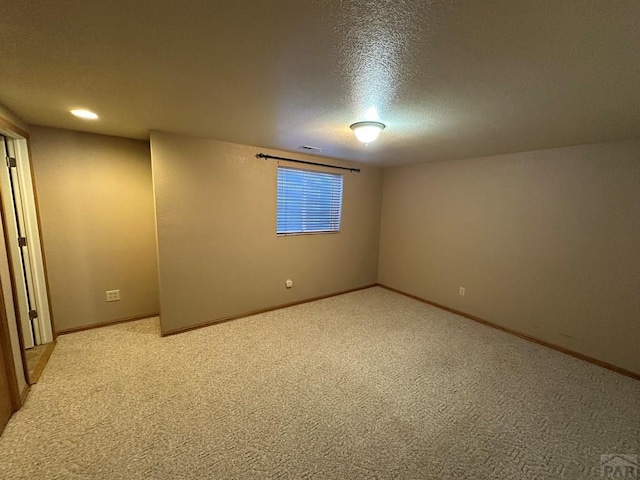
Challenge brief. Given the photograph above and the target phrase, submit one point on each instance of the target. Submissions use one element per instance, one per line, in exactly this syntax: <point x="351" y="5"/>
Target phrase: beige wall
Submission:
<point x="95" y="197"/>
<point x="219" y="255"/>
<point x="546" y="243"/>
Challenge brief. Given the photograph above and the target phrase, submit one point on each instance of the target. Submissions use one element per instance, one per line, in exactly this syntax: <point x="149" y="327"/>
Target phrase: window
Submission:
<point x="308" y="201"/>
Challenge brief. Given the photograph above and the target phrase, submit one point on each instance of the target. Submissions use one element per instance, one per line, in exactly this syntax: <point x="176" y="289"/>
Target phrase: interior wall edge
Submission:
<point x="539" y="341"/>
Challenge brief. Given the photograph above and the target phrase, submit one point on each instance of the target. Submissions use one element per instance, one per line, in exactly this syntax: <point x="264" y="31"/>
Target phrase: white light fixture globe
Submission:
<point x="86" y="114"/>
<point x="367" y="132"/>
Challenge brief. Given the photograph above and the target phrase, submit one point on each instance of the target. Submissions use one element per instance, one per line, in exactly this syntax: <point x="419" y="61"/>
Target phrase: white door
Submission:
<point x="24" y="244"/>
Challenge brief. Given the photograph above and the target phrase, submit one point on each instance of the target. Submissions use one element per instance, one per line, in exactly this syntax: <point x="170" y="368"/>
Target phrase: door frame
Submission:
<point x="10" y="130"/>
<point x="5" y="337"/>
<point x="7" y="350"/>
<point x="22" y="220"/>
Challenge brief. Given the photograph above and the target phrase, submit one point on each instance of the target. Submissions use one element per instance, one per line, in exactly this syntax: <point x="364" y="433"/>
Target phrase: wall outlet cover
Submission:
<point x="113" y="295"/>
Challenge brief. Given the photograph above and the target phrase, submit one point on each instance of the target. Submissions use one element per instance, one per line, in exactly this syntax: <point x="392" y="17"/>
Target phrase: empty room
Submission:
<point x="324" y="239"/>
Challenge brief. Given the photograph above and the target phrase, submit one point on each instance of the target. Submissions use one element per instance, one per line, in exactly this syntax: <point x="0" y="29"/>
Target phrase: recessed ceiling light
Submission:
<point x="367" y="132"/>
<point x="86" y="114"/>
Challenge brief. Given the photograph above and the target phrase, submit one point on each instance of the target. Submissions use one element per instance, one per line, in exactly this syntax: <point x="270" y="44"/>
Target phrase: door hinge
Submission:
<point x="33" y="314"/>
<point x="11" y="162"/>
<point x="22" y="241"/>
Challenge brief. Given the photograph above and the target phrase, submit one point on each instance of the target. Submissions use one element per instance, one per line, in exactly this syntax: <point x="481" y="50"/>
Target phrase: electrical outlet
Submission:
<point x="288" y="283"/>
<point x="461" y="291"/>
<point x="113" y="295"/>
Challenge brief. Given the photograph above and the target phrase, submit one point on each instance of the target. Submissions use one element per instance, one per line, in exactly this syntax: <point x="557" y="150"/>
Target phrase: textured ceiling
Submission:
<point x="450" y="79"/>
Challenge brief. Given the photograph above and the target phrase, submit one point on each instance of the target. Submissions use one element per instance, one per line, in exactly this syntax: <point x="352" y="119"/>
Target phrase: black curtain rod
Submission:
<point x="265" y="156"/>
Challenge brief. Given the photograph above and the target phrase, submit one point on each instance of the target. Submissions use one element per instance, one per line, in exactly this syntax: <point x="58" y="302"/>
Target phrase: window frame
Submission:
<point x="311" y="171"/>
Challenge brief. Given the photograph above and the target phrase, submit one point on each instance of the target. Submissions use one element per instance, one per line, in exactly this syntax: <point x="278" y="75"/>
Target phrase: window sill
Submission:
<point x="296" y="234"/>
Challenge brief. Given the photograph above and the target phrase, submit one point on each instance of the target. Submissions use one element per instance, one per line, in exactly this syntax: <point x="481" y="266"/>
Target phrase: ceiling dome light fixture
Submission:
<point x="86" y="114"/>
<point x="367" y="132"/>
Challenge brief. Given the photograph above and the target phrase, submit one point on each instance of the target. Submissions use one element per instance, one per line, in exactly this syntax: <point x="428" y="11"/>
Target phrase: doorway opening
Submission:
<point x="22" y="237"/>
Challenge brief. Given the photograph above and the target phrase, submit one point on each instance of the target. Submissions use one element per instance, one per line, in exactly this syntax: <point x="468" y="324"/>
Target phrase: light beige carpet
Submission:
<point x="366" y="385"/>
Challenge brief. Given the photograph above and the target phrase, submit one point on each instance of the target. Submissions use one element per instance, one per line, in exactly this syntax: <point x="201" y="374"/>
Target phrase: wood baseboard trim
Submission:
<point x="262" y="310"/>
<point x="105" y="324"/>
<point x="42" y="363"/>
<point x="586" y="358"/>
<point x="23" y="395"/>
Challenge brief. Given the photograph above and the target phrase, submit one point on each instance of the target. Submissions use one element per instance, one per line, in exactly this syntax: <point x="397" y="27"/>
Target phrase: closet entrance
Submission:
<point x="22" y="237"/>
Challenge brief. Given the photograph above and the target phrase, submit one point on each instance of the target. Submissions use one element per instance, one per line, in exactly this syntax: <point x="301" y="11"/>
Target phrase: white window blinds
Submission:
<point x="308" y="201"/>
